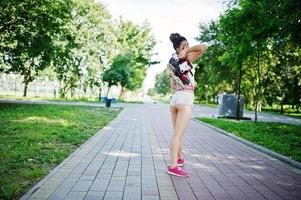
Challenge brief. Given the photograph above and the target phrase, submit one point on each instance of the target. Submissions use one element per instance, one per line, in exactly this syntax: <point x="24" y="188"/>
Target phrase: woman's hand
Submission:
<point x="183" y="53"/>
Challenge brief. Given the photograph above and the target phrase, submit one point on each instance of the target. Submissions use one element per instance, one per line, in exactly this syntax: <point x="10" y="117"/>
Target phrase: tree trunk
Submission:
<point x="99" y="95"/>
<point x="91" y="92"/>
<point x="258" y="93"/>
<point x="61" y="94"/>
<point x="108" y="91"/>
<point x="121" y="93"/>
<point x="63" y="91"/>
<point x="238" y="94"/>
<point x="256" y="110"/>
<point x="25" y="89"/>
<point x="26" y="81"/>
<point x="256" y="107"/>
<point x="72" y="92"/>
<point x="281" y="107"/>
<point x="27" y="77"/>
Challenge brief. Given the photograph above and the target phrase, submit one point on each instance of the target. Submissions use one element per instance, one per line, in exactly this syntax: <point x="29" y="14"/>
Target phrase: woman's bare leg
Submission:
<point x="174" y="112"/>
<point x="183" y="117"/>
<point x="180" y="153"/>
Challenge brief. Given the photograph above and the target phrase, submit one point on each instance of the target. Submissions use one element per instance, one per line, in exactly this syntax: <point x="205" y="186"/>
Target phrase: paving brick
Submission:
<point x="103" y="176"/>
<point x="116" y="186"/>
<point x="76" y="195"/>
<point x="59" y="194"/>
<point x="95" y="195"/>
<point x="131" y="196"/>
<point x="128" y="159"/>
<point x="100" y="184"/>
<point x="42" y="194"/>
<point x="113" y="195"/>
<point x="87" y="178"/>
<point x="82" y="186"/>
<point x="150" y="197"/>
<point x="132" y="189"/>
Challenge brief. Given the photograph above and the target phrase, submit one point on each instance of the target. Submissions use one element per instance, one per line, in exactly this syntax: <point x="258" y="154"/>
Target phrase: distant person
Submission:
<point x="220" y="98"/>
<point x="181" y="103"/>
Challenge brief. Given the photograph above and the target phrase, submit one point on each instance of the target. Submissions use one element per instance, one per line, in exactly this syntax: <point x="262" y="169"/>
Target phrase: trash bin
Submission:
<point x="228" y="106"/>
<point x="108" y="102"/>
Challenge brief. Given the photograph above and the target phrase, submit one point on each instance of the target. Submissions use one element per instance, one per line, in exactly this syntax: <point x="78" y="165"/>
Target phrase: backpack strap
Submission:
<point x="171" y="74"/>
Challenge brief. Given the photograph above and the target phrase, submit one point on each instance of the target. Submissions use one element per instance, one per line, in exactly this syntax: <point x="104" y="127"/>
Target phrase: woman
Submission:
<point x="182" y="100"/>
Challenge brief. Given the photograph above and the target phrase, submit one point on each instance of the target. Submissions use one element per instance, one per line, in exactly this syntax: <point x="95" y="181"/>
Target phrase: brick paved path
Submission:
<point x="127" y="160"/>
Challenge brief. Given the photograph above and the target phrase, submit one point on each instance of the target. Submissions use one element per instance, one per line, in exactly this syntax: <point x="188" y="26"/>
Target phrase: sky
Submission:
<point x="166" y="17"/>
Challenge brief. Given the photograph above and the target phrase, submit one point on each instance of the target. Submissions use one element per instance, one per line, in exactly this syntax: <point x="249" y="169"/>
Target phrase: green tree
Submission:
<point x="119" y="73"/>
<point x="246" y="35"/>
<point x="243" y="45"/>
<point x="162" y="83"/>
<point x="212" y="75"/>
<point x="286" y="71"/>
<point x="151" y="92"/>
<point x="83" y="62"/>
<point x="285" y="50"/>
<point x="139" y="43"/>
<point x="27" y="33"/>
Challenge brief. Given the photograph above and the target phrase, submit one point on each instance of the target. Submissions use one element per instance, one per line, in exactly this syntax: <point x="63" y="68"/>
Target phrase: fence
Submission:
<point x="11" y="84"/>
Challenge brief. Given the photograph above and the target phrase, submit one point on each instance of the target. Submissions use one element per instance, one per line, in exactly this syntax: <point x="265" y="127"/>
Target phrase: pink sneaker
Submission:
<point x="180" y="162"/>
<point x="177" y="171"/>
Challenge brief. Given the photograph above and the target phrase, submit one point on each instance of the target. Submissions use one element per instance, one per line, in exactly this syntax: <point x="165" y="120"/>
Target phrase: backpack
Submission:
<point x="181" y="68"/>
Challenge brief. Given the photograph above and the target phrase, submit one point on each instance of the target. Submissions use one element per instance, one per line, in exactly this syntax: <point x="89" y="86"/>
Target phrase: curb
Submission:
<point x="280" y="157"/>
<point x="63" y="103"/>
<point x="28" y="193"/>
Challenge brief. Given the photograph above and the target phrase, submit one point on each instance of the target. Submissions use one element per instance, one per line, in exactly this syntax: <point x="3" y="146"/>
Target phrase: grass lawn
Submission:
<point x="281" y="138"/>
<point x="203" y="103"/>
<point x="130" y="101"/>
<point x="210" y="105"/>
<point x="288" y="113"/>
<point x="36" y="138"/>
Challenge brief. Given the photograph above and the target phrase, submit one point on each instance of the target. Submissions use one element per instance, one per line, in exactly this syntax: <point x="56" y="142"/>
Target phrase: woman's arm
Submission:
<point x="193" y="53"/>
<point x="172" y="83"/>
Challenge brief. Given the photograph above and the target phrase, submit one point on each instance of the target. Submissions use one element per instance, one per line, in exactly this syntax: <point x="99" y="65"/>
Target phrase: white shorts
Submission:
<point x="182" y="97"/>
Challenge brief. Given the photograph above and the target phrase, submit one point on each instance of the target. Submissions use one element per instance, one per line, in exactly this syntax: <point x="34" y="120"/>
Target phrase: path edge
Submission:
<point x="27" y="194"/>
<point x="274" y="154"/>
